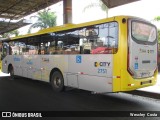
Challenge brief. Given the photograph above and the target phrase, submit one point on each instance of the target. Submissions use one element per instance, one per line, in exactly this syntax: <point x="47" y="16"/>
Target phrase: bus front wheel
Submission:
<point x="57" y="81"/>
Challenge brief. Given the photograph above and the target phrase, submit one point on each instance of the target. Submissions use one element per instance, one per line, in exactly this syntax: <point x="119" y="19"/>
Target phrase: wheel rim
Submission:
<point x="57" y="82"/>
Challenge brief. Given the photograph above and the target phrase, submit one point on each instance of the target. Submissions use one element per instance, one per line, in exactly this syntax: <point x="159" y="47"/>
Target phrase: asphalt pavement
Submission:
<point x="26" y="94"/>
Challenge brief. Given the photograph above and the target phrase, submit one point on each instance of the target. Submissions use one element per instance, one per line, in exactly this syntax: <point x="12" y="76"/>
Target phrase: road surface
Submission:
<point x="24" y="94"/>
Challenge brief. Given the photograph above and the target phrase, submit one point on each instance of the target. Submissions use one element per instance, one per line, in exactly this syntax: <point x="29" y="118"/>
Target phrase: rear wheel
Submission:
<point x="57" y="81"/>
<point x="11" y="71"/>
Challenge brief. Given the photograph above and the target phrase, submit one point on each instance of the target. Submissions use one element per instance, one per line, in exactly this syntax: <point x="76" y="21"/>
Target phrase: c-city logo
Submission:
<point x="102" y="64"/>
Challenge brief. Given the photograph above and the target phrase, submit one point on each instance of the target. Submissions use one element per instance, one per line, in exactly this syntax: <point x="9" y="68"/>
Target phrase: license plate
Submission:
<point x="146" y="82"/>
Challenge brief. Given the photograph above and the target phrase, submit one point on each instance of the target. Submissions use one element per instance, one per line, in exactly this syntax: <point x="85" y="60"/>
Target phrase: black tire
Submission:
<point x="11" y="71"/>
<point x="57" y="81"/>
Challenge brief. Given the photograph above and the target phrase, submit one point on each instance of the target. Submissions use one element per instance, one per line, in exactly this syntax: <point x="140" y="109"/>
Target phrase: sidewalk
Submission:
<point x="3" y="74"/>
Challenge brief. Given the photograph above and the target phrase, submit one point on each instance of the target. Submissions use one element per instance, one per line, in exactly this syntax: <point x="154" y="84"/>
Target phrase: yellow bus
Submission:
<point x="108" y="55"/>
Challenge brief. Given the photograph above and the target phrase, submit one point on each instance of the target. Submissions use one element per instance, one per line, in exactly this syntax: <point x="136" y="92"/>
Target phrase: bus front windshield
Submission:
<point x="143" y="32"/>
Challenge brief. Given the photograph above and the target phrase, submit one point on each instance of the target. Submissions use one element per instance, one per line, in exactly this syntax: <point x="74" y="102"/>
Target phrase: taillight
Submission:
<point x="128" y="55"/>
<point x="128" y="61"/>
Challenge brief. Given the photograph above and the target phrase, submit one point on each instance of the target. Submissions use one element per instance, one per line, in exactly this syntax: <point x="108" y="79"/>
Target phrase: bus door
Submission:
<point x="72" y="76"/>
<point x="30" y="66"/>
<point x="17" y="64"/>
<point x="45" y="67"/>
<point x="142" y="54"/>
<point x="34" y="67"/>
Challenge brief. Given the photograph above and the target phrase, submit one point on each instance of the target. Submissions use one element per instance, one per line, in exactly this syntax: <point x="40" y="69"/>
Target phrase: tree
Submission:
<point x="45" y="19"/>
<point x="157" y="18"/>
<point x="11" y="33"/>
<point x="99" y="4"/>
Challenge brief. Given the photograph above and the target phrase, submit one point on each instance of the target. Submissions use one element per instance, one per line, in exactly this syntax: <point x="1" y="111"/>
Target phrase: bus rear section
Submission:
<point x="141" y="55"/>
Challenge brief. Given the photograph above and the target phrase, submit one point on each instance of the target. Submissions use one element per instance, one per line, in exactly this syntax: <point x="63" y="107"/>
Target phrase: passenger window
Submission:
<point x="100" y="39"/>
<point x="67" y="42"/>
<point x="72" y="43"/>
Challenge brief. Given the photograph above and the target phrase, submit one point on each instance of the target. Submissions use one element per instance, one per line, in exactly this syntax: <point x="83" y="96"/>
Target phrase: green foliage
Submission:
<point x="100" y="4"/>
<point x="157" y="18"/>
<point x="45" y="19"/>
<point x="11" y="33"/>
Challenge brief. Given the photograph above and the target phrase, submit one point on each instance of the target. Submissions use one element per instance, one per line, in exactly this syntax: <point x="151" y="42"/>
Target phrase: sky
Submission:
<point x="146" y="9"/>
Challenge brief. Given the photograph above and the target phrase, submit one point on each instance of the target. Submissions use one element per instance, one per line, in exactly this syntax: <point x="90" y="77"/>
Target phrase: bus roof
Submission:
<point x="70" y="26"/>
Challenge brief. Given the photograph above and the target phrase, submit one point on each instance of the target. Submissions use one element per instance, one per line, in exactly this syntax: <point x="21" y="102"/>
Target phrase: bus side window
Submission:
<point x="5" y="50"/>
<point x="68" y="42"/>
<point x="86" y="51"/>
<point x="52" y="47"/>
<point x="107" y="40"/>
